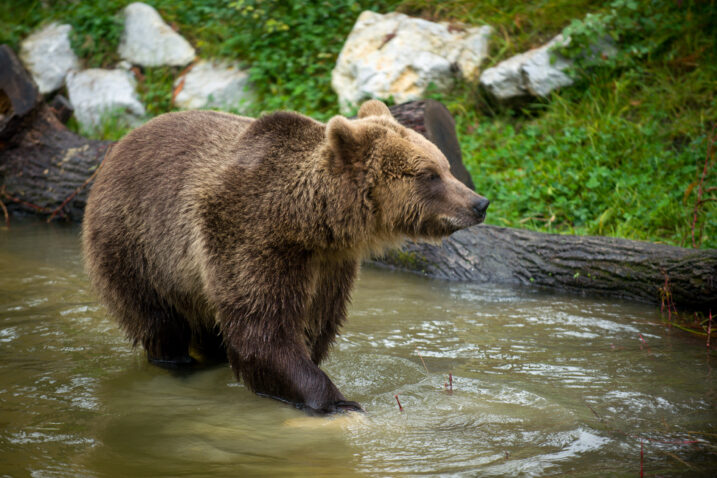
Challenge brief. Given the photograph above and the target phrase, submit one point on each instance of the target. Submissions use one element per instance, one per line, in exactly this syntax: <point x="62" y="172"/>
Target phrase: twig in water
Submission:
<point x="593" y="410"/>
<point x="709" y="329"/>
<point x="7" y="224"/>
<point x="666" y="299"/>
<point x="645" y="344"/>
<point x="424" y="363"/>
<point x="400" y="408"/>
<point x="449" y="385"/>
<point x="641" y="459"/>
<point x="672" y="455"/>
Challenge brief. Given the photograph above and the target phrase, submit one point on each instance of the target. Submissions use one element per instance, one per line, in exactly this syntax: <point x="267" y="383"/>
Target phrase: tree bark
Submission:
<point x="19" y="96"/>
<point x="606" y="266"/>
<point x="44" y="167"/>
<point x="48" y="170"/>
<point x="434" y="121"/>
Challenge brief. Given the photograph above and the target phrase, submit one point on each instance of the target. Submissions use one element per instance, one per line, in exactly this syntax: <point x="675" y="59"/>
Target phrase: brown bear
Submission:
<point x="240" y="239"/>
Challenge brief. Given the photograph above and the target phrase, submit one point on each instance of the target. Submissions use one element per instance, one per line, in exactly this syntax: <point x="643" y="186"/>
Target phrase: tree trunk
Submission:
<point x="606" y="266"/>
<point x="44" y="167"/>
<point x="434" y="121"/>
<point x="19" y="96"/>
<point x="49" y="169"/>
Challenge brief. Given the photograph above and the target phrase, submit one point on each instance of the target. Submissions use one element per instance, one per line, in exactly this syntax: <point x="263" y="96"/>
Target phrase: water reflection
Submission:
<point x="543" y="384"/>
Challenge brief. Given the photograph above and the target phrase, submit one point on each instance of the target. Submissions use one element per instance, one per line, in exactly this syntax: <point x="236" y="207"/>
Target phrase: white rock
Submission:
<point x="48" y="56"/>
<point x="213" y="84"/>
<point x="399" y="56"/>
<point x="536" y="72"/>
<point x="96" y="94"/>
<point x="148" y="41"/>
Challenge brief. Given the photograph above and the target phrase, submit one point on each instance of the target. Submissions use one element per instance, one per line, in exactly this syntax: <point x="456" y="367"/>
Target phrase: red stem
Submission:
<point x="7" y="215"/>
<point x="400" y="408"/>
<point x="709" y="329"/>
<point x="641" y="459"/>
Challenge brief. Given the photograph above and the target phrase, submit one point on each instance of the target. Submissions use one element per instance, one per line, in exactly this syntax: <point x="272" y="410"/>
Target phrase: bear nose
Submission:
<point x="480" y="205"/>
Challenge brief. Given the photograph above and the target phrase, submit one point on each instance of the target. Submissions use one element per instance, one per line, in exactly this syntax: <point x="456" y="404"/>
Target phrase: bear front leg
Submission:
<point x="328" y="309"/>
<point x="263" y="315"/>
<point x="288" y="374"/>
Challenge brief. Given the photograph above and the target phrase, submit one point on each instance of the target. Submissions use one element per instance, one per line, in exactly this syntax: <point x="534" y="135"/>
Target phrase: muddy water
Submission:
<point x="543" y="384"/>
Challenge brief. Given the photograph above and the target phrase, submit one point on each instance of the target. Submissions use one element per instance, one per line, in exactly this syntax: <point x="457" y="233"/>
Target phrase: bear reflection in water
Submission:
<point x="240" y="239"/>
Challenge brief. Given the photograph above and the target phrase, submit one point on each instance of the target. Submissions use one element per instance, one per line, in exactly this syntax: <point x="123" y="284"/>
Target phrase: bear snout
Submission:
<point x="479" y="207"/>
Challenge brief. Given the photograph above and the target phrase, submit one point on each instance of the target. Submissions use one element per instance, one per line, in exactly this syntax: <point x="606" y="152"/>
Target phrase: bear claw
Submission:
<point x="344" y="406"/>
<point x="340" y="406"/>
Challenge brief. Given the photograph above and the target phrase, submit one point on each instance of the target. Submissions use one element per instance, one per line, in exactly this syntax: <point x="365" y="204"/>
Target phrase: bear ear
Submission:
<point x="343" y="139"/>
<point x="374" y="108"/>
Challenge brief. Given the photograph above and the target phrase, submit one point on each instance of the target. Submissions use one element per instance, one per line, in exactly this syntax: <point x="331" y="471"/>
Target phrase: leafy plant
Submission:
<point x="641" y="29"/>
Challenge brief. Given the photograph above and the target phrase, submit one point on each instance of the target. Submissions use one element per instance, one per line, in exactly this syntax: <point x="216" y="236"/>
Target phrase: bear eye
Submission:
<point x="432" y="175"/>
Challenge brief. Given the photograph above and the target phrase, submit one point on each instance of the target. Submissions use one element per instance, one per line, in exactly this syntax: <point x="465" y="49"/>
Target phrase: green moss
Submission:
<point x="406" y="260"/>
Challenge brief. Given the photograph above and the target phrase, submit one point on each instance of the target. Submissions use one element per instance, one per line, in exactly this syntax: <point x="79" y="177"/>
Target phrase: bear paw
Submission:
<point x="339" y="406"/>
<point x="344" y="406"/>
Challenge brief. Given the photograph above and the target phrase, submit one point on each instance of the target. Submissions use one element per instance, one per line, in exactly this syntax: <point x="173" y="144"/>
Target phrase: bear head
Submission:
<point x="407" y="179"/>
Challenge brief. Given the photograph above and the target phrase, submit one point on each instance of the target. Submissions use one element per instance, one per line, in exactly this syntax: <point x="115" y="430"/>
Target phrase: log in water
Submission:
<point x="605" y="266"/>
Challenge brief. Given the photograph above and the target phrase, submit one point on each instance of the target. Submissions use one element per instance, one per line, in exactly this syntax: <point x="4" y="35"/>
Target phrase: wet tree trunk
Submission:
<point x="606" y="266"/>
<point x="44" y="167"/>
<point x="49" y="168"/>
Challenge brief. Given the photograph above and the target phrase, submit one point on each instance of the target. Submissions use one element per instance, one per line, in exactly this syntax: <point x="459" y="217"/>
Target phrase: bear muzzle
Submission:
<point x="479" y="208"/>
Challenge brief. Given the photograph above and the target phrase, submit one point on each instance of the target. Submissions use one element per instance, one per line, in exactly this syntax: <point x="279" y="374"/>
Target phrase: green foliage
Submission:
<point x="621" y="152"/>
<point x="113" y="126"/>
<point x="95" y="35"/>
<point x="292" y="48"/>
<point x="570" y="173"/>
<point x="96" y="25"/>
<point x="643" y="30"/>
<point x="156" y="87"/>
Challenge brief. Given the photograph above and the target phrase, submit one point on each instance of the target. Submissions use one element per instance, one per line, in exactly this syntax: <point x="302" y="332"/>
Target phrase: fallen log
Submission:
<point x="19" y="96"/>
<point x="47" y="172"/>
<point x="595" y="265"/>
<point x="44" y="167"/>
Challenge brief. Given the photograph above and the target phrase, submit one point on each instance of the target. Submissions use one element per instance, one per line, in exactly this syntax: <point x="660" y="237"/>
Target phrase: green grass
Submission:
<point x="619" y="153"/>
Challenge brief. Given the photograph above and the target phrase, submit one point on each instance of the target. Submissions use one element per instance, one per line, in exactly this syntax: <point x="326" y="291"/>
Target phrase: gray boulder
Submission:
<point x="394" y="55"/>
<point x="48" y="56"/>
<point x="97" y="94"/>
<point x="536" y="73"/>
<point x="213" y="84"/>
<point x="148" y="41"/>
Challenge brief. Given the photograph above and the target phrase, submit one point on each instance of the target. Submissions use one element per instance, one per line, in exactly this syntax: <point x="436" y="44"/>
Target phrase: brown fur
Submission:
<point x="241" y="238"/>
